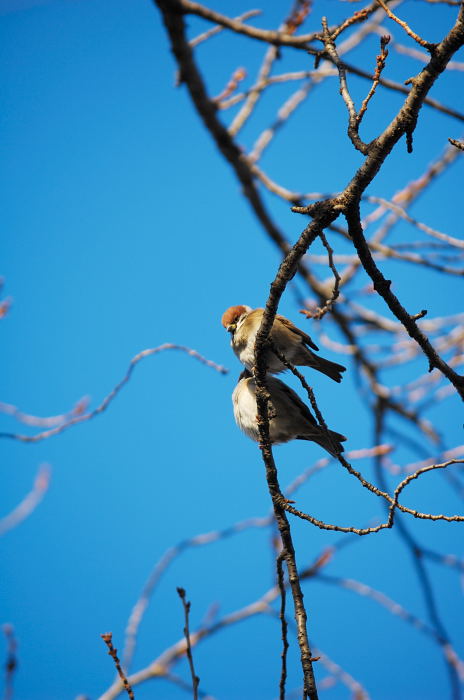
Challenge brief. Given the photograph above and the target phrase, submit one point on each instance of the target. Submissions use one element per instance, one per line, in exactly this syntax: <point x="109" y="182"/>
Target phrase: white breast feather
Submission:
<point x="245" y="410"/>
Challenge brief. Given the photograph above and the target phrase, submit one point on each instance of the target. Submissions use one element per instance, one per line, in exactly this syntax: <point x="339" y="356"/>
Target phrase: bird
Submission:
<point x="289" y="417"/>
<point x="243" y="323"/>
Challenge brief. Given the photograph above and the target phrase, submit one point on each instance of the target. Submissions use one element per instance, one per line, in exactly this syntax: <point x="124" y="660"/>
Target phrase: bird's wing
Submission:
<point x="295" y="399"/>
<point x="291" y="327"/>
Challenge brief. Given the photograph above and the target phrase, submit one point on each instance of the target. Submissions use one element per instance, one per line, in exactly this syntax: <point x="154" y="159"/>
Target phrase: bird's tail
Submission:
<point x="327" y="367"/>
<point x="330" y="441"/>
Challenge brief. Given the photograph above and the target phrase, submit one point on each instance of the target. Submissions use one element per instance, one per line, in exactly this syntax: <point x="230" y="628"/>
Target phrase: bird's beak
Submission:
<point x="231" y="327"/>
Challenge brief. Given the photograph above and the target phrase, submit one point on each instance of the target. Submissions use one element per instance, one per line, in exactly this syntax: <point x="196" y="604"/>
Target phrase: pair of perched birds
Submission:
<point x="290" y="418"/>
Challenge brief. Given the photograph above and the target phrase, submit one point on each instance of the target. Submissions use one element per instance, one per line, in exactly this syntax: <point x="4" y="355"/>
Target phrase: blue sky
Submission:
<point x="123" y="229"/>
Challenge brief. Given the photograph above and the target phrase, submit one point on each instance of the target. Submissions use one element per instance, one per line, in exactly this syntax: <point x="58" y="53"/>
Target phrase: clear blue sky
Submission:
<point x="122" y="228"/>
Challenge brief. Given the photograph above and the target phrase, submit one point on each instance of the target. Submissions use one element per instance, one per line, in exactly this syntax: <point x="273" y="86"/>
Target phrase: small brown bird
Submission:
<point x="290" y="418"/>
<point x="243" y="323"/>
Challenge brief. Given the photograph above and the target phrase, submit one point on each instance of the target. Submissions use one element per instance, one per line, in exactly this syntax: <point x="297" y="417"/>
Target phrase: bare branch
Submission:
<point x="382" y="286"/>
<point x="358" y="16"/>
<point x="219" y="28"/>
<point x="5" y="306"/>
<point x="29" y="502"/>
<point x="381" y="58"/>
<point x="353" y="121"/>
<point x="458" y="144"/>
<point x="11" y="662"/>
<point x="283" y="622"/>
<point x="321" y="311"/>
<point x="425" y="44"/>
<point x="450" y="240"/>
<point x="48" y="422"/>
<point x="114" y="392"/>
<point x="271" y="37"/>
<point x="195" y="678"/>
<point x="107" y="638"/>
<point x="238" y="75"/>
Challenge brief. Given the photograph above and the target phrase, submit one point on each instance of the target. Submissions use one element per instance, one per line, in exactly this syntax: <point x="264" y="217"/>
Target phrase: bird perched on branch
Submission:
<point x="289" y="417"/>
<point x="243" y="323"/>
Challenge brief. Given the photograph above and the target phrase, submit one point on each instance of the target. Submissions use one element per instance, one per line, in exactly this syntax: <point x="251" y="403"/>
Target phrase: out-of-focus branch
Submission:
<point x="219" y="28"/>
<point x="203" y="539"/>
<point x="422" y="56"/>
<point x="160" y="667"/>
<point x="48" y="422"/>
<point x="29" y="502"/>
<point x="160" y="567"/>
<point x="11" y="662"/>
<point x="5" y="306"/>
<point x="422" y="574"/>
<point x="238" y="75"/>
<point x="114" y="392"/>
<point x="289" y="26"/>
<point x="162" y="664"/>
<point x="385" y="601"/>
<point x="450" y="240"/>
<point x="338" y="674"/>
<point x="287" y="109"/>
<point x="382" y="286"/>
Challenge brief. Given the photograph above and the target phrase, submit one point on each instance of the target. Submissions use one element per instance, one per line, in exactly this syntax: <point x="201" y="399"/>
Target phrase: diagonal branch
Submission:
<point x="353" y="121"/>
<point x="195" y="678"/>
<point x="382" y="286"/>
<point x="29" y="502"/>
<point x="422" y="42"/>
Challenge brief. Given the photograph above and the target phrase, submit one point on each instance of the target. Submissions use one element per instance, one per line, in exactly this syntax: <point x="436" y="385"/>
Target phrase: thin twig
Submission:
<point x="380" y="65"/>
<point x="353" y="123"/>
<point x="113" y="652"/>
<point x="283" y="622"/>
<point x="458" y="144"/>
<point x="358" y="16"/>
<point x="195" y="678"/>
<point x="321" y="311"/>
<point x="237" y="76"/>
<point x="425" y="44"/>
<point x="382" y="286"/>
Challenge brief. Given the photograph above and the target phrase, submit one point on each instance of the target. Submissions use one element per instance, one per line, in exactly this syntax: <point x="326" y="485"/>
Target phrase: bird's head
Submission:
<point x="232" y="316"/>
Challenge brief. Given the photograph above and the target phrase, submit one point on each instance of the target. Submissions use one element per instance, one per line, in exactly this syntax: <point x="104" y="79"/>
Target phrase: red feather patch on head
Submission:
<point x="232" y="314"/>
